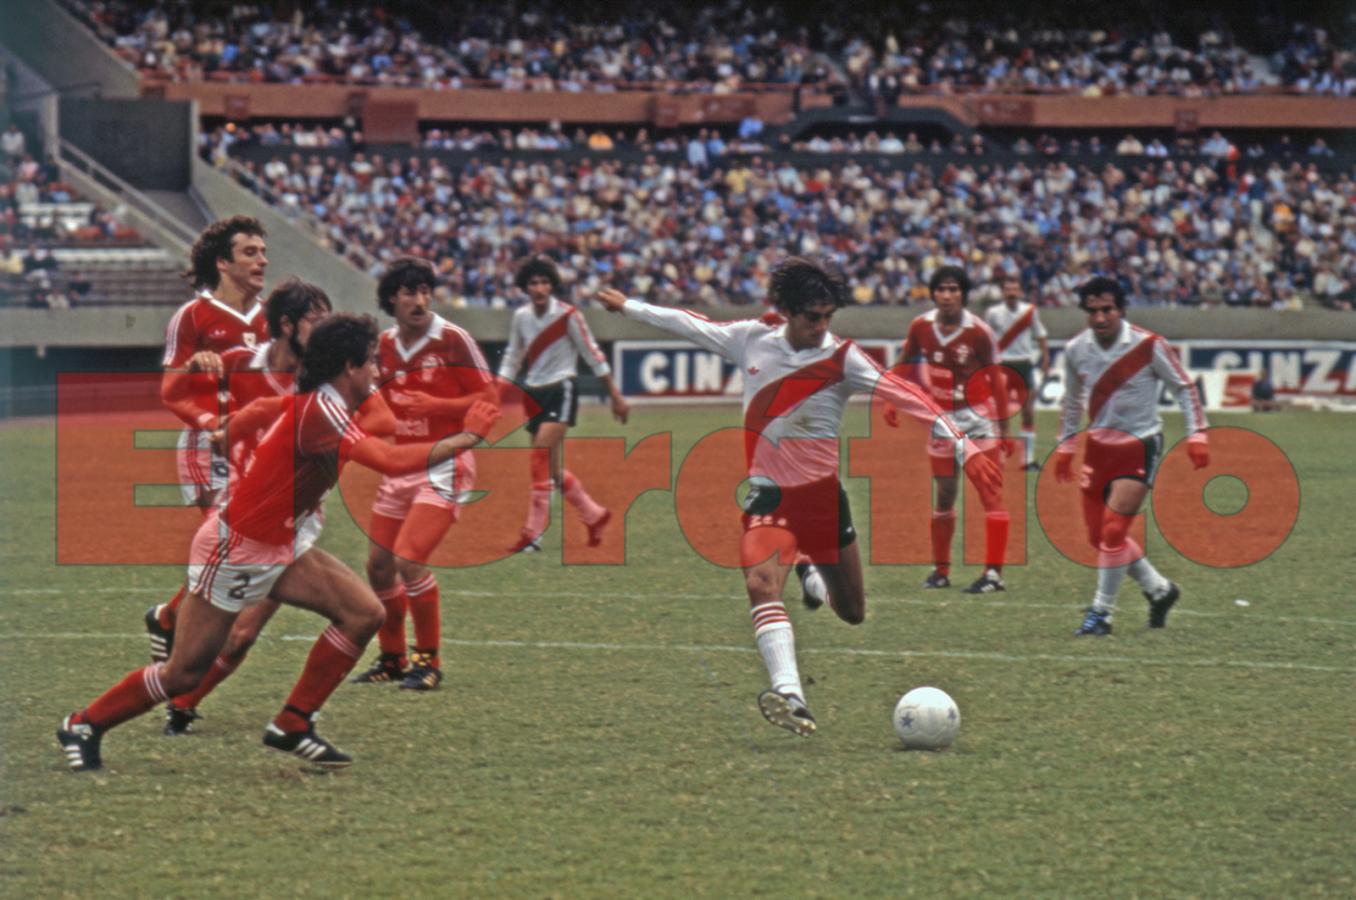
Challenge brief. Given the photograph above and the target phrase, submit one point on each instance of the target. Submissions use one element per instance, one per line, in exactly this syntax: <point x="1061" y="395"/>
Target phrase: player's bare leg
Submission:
<point x="203" y="631"/>
<point x="319" y="582"/>
<point x="846" y="584"/>
<point x="160" y="618"/>
<point x="182" y="710"/>
<point x="424" y="529"/>
<point x="768" y="553"/>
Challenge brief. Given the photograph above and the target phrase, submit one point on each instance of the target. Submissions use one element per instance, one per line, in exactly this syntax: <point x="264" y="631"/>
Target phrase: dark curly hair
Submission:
<point x="537" y="266"/>
<point x="953" y="274"/>
<point x="406" y="272"/>
<point x="214" y="244"/>
<point x="291" y="301"/>
<point x="1099" y="285"/>
<point x="798" y="283"/>
<point x="340" y="340"/>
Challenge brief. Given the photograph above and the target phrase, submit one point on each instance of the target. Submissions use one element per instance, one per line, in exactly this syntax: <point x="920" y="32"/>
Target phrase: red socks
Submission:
<point x="391" y="636"/>
<point x="424" y="610"/>
<point x="996" y="524"/>
<point x="331" y="658"/>
<point x="220" y="671"/>
<point x="138" y="692"/>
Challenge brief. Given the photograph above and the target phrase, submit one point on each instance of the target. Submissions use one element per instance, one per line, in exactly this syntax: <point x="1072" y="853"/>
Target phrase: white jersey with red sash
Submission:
<point x="1018" y="330"/>
<point x="1119" y="386"/>
<point x="793" y="398"/>
<point x="548" y="346"/>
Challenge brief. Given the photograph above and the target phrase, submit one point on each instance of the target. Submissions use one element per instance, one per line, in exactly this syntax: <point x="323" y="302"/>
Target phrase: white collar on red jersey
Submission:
<point x="245" y="317"/>
<point x="435" y="326"/>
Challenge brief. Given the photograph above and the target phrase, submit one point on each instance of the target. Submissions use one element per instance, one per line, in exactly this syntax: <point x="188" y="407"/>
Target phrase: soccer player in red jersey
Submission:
<point x="546" y="338"/>
<point x="258" y="379"/>
<point x="432" y="372"/>
<point x="1116" y="371"/>
<point x="226" y="268"/>
<point x="261" y="542"/>
<point x="945" y="349"/>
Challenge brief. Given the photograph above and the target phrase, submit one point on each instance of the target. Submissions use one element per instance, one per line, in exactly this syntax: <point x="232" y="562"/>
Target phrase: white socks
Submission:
<point x="777" y="645"/>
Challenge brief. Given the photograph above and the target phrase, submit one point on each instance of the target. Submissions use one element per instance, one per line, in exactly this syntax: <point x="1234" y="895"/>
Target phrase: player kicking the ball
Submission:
<point x="797" y="381"/>
<point x="1116" y="370"/>
<point x="261" y="543"/>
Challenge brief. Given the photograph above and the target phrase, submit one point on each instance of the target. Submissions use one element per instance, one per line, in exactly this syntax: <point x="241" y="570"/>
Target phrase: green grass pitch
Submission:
<point x="597" y="733"/>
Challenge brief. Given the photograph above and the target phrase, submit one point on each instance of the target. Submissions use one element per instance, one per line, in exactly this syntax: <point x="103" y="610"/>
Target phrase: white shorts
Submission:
<point x="201" y="469"/>
<point x="445" y="486"/>
<point x="968" y="423"/>
<point x="233" y="571"/>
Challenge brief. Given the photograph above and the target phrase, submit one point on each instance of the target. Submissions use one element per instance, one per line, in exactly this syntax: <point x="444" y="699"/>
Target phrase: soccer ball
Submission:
<point x="926" y="718"/>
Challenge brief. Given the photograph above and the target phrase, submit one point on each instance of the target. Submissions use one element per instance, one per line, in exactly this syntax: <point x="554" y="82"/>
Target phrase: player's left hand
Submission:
<point x="621" y="410"/>
<point x="1198" y="450"/>
<point x="985" y="473"/>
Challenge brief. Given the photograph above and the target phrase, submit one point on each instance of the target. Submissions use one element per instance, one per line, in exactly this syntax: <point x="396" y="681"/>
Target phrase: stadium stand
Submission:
<point x="880" y="53"/>
<point x="1198" y="230"/>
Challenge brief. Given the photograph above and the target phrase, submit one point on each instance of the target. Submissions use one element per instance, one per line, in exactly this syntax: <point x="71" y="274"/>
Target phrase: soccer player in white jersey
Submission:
<point x="1023" y="344"/>
<point x="1115" y="371"/>
<point x="797" y="381"/>
<point x="546" y="338"/>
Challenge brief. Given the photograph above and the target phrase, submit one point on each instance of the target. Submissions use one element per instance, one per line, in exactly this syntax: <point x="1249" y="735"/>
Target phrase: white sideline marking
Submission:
<point x="871" y="599"/>
<point x="824" y="651"/>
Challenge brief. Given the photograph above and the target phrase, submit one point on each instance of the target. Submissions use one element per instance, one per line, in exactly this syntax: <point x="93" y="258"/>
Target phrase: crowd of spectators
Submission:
<point x="702" y="146"/>
<point x="719" y="45"/>
<point x="716" y="46"/>
<point x="1175" y="231"/>
<point x="40" y="212"/>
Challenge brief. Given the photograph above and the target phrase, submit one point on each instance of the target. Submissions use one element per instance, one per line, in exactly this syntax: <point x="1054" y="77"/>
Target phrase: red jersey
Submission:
<point x="294" y="466"/>
<point x="248" y="378"/>
<point x="205" y="323"/>
<point x="949" y="360"/>
<point x="445" y="363"/>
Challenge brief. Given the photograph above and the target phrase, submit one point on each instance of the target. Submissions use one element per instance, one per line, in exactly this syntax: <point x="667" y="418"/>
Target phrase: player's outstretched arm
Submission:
<point x="389" y="459"/>
<point x="725" y="338"/>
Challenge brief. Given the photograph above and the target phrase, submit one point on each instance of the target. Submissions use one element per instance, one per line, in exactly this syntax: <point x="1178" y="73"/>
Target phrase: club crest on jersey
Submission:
<point x="251" y="339"/>
<point x="961" y="353"/>
<point x="429" y="364"/>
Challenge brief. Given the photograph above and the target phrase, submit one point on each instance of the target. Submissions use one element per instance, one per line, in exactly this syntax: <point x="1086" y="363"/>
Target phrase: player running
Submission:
<point x="261" y="542"/>
<point x="1023" y="344"/>
<point x="258" y="379"/>
<point x="797" y="380"/>
<point x="546" y="338"/>
<point x="953" y="355"/>
<point x="1115" y="370"/>
<point x="432" y="372"/>
<point x="226" y="268"/>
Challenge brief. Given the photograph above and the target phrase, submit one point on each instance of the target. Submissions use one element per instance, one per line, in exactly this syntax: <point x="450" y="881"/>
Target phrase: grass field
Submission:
<point x="597" y="734"/>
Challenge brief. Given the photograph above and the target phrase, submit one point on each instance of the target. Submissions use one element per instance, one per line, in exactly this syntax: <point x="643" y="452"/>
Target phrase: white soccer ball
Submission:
<point x="926" y="718"/>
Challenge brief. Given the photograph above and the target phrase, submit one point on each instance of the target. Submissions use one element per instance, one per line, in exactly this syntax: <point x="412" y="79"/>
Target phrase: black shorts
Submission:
<point x="1119" y="455"/>
<point x="1025" y="370"/>
<point x="817" y="514"/>
<point x="556" y="402"/>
